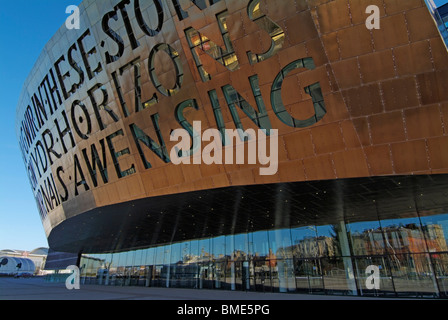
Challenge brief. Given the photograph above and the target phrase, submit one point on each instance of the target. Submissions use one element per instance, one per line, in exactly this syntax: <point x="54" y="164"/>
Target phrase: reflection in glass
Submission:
<point x="204" y="250"/>
<point x="338" y="277"/>
<point x="412" y="259"/>
<point x="328" y="241"/>
<point x="259" y="244"/>
<point x="274" y="30"/>
<point x="200" y="45"/>
<point x="150" y="256"/>
<point x="412" y="274"/>
<point x="366" y="238"/>
<point x="138" y="259"/>
<point x="308" y="275"/>
<point x="262" y="275"/>
<point x="403" y="235"/>
<point x="440" y="263"/>
<point x="435" y="229"/>
<point x="159" y="255"/>
<point x="280" y="241"/>
<point x="241" y="247"/>
<point x="219" y="248"/>
<point x="304" y="242"/>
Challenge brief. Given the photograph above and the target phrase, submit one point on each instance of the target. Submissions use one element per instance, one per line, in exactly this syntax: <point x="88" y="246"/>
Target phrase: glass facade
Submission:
<point x="411" y="254"/>
<point x="440" y="15"/>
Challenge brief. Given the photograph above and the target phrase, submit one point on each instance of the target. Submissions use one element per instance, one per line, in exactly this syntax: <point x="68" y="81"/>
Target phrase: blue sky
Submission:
<point x="25" y="28"/>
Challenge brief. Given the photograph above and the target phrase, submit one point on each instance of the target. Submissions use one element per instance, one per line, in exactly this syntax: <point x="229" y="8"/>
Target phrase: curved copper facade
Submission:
<point x="96" y="113"/>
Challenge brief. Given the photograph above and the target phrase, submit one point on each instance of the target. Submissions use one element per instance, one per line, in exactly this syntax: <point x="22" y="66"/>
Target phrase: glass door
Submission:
<point x="242" y="275"/>
<point x="262" y="275"/>
<point x="308" y="275"/>
<point x="148" y="276"/>
<point x="205" y="275"/>
<point x="220" y="275"/>
<point x="119" y="279"/>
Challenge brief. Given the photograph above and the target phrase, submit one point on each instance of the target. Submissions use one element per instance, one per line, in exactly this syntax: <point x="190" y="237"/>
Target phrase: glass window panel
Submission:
<point x="280" y="242"/>
<point x="134" y="276"/>
<point x="259" y="244"/>
<point x="86" y="263"/>
<point x="113" y="263"/>
<point x="166" y="255"/>
<point x="92" y="268"/>
<point x="127" y="258"/>
<point x="143" y="257"/>
<point x="285" y="274"/>
<point x="206" y="275"/>
<point x="328" y="240"/>
<point x="403" y="235"/>
<point x="440" y="263"/>
<point x="241" y="246"/>
<point x="185" y="251"/>
<point x="222" y="19"/>
<point x="308" y="275"/>
<point x="204" y="250"/>
<point x="119" y="276"/>
<point x="219" y="247"/>
<point x="337" y="278"/>
<point x="241" y="272"/>
<point x="412" y="275"/>
<point x="230" y="246"/>
<point x="104" y="269"/>
<point x="138" y="258"/>
<point x="435" y="228"/>
<point x="107" y="260"/>
<point x="142" y="275"/>
<point x="131" y="258"/>
<point x="194" y="250"/>
<point x="230" y="275"/>
<point x="220" y="275"/>
<point x="122" y="259"/>
<point x="176" y="253"/>
<point x="157" y="276"/>
<point x="304" y="242"/>
<point x="193" y="37"/>
<point x="366" y="238"/>
<point x="150" y="256"/>
<point x="262" y="275"/>
<point x="159" y="255"/>
<point x="385" y="281"/>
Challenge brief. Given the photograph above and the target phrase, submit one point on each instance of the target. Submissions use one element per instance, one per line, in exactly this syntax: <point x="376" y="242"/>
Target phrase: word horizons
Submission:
<point x="55" y="121"/>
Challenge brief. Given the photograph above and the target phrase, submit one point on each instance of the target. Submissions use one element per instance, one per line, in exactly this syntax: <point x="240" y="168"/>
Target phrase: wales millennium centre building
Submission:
<point x="293" y="146"/>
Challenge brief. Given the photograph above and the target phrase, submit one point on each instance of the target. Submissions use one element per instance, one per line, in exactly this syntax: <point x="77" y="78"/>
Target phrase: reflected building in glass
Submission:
<point x="440" y="15"/>
<point x="358" y="116"/>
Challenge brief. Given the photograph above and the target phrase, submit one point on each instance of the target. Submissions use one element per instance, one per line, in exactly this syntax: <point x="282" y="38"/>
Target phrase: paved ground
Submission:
<point x="38" y="289"/>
